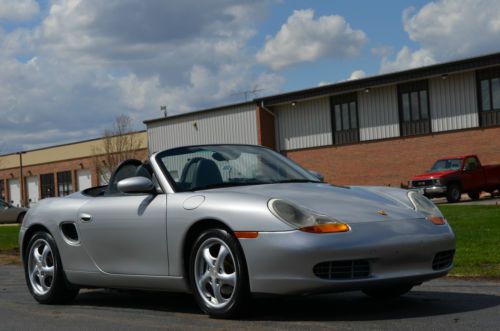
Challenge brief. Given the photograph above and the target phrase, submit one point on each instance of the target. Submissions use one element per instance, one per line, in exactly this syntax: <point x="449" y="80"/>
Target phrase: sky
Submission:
<point x="68" y="68"/>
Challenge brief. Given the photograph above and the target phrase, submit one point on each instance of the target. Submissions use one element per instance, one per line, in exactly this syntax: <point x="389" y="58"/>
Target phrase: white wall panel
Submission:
<point x="236" y="125"/>
<point x="453" y="102"/>
<point x="307" y="124"/>
<point x="378" y="113"/>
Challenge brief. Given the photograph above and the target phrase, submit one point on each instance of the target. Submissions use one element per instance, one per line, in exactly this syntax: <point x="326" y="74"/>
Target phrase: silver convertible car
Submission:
<point x="227" y="222"/>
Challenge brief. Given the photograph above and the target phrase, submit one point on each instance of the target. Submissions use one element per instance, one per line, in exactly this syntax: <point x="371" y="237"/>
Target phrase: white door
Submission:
<point x="15" y="192"/>
<point x="84" y="179"/>
<point x="32" y="187"/>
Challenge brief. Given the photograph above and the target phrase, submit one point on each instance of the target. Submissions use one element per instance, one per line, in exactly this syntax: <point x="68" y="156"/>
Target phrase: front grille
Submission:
<point x="422" y="183"/>
<point x="443" y="260"/>
<point x="342" y="269"/>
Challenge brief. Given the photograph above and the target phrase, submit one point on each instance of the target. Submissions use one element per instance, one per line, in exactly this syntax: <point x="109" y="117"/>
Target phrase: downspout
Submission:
<point x="276" y="126"/>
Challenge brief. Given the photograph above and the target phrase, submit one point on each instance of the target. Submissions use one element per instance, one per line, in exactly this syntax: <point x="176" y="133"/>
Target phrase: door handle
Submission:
<point x="85" y="217"/>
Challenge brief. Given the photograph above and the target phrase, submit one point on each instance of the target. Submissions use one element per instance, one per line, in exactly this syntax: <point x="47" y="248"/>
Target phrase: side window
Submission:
<point x="2" y="193"/>
<point x="471" y="163"/>
<point x="344" y="114"/>
<point x="488" y="87"/>
<point x="47" y="186"/>
<point x="126" y="169"/>
<point x="414" y="115"/>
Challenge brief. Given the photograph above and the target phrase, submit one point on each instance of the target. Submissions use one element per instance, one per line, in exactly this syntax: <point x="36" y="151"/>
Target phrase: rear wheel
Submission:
<point x="453" y="193"/>
<point x="389" y="292"/>
<point x="218" y="274"/>
<point x="43" y="271"/>
<point x="474" y="195"/>
<point x="20" y="218"/>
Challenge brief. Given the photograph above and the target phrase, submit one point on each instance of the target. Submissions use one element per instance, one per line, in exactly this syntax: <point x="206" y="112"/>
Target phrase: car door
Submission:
<point x="473" y="177"/>
<point x="126" y="233"/>
<point x="8" y="214"/>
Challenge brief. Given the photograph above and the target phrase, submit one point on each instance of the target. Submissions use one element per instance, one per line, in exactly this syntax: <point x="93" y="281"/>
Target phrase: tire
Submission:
<point x="453" y="193"/>
<point x="44" y="273"/>
<point x="389" y="292"/>
<point x="474" y="195"/>
<point x="218" y="274"/>
<point x="20" y="218"/>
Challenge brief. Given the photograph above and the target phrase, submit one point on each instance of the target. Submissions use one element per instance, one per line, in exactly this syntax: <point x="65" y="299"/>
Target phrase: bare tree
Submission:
<point x="119" y="144"/>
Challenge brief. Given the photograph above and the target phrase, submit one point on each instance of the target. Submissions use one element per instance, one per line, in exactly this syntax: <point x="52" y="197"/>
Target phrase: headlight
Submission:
<point x="426" y="207"/>
<point x="304" y="219"/>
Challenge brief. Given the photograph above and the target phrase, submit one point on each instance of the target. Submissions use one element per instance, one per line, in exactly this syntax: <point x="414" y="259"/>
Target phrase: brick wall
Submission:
<point x="394" y="161"/>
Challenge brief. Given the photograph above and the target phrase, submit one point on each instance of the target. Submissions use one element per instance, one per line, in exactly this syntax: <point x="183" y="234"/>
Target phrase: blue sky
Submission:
<point x="69" y="67"/>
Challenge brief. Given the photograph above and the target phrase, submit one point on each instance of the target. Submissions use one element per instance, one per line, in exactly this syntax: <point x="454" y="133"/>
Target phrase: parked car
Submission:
<point x="450" y="177"/>
<point x="11" y="214"/>
<point x="236" y="220"/>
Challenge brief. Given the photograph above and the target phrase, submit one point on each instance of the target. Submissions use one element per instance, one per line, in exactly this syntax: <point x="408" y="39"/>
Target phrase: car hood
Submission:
<point x="434" y="174"/>
<point x="350" y="204"/>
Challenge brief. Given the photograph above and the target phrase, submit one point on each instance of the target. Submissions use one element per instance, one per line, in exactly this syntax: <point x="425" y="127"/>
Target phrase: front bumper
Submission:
<point x="431" y="190"/>
<point x="398" y="252"/>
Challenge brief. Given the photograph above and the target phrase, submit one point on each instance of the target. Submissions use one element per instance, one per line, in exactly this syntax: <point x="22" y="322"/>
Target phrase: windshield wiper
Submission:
<point x="296" y="181"/>
<point x="220" y="185"/>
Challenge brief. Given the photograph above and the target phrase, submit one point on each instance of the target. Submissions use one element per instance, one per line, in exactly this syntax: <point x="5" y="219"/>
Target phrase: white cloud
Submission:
<point x="18" y="10"/>
<point x="305" y="39"/>
<point x="407" y="59"/>
<point x="448" y="30"/>
<point x="323" y="83"/>
<point x="90" y="60"/>
<point x="357" y="74"/>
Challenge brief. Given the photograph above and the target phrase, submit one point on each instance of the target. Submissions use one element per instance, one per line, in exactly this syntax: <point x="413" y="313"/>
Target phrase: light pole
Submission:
<point x="21" y="178"/>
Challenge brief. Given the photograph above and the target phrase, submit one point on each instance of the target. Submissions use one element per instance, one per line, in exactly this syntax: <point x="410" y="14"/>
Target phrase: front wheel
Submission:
<point x="388" y="292"/>
<point x="43" y="271"/>
<point x="218" y="274"/>
<point x="453" y="193"/>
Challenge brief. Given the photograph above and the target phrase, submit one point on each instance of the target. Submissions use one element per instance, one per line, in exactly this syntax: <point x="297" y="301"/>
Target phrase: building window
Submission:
<point x="414" y="114"/>
<point x="489" y="96"/>
<point x="47" y="186"/>
<point x="345" y="125"/>
<point x="2" y="190"/>
<point x="64" y="183"/>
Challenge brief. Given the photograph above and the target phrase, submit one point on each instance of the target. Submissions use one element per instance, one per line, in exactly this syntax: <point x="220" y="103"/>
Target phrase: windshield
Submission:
<point x="204" y="167"/>
<point x="450" y="164"/>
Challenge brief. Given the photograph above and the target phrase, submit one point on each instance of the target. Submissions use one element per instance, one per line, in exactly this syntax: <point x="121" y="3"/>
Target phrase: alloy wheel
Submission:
<point x="215" y="272"/>
<point x="41" y="267"/>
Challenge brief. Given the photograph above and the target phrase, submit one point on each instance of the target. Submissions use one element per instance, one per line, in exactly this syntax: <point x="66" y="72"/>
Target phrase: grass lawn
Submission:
<point x="477" y="229"/>
<point x="8" y="237"/>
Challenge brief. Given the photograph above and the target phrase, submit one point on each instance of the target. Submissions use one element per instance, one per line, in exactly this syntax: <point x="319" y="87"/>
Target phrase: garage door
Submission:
<point x="84" y="180"/>
<point x="15" y="192"/>
<point x="32" y="187"/>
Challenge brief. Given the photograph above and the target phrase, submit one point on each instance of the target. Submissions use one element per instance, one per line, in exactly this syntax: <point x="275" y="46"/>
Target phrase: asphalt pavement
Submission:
<point x="437" y="305"/>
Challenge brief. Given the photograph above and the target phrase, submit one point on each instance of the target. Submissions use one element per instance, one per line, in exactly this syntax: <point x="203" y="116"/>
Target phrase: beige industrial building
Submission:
<point x="57" y="170"/>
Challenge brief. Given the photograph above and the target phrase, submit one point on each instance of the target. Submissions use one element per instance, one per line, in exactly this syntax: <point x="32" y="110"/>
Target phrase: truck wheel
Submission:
<point x="474" y="195"/>
<point x="453" y="193"/>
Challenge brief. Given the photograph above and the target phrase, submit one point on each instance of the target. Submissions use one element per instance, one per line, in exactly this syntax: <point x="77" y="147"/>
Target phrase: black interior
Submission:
<point x="127" y="169"/>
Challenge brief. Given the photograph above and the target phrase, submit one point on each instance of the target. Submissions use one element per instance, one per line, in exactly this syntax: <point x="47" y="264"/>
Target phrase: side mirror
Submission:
<point x="317" y="175"/>
<point x="136" y="185"/>
<point x="468" y="167"/>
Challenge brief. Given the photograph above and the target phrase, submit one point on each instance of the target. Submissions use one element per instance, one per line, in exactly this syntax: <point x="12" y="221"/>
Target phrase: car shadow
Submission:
<point x="352" y="306"/>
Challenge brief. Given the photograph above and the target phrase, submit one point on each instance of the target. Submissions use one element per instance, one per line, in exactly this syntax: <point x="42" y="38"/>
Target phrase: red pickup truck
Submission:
<point x="452" y="176"/>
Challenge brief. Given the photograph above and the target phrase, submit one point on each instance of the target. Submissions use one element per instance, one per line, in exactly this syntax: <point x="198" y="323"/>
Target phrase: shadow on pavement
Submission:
<point x="352" y="306"/>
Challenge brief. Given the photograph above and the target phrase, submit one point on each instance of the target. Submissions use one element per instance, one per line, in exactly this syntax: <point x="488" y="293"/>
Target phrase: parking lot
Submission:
<point x="447" y="303"/>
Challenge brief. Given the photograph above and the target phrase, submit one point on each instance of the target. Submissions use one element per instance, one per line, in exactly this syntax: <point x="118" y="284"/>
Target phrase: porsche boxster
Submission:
<point x="227" y="222"/>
